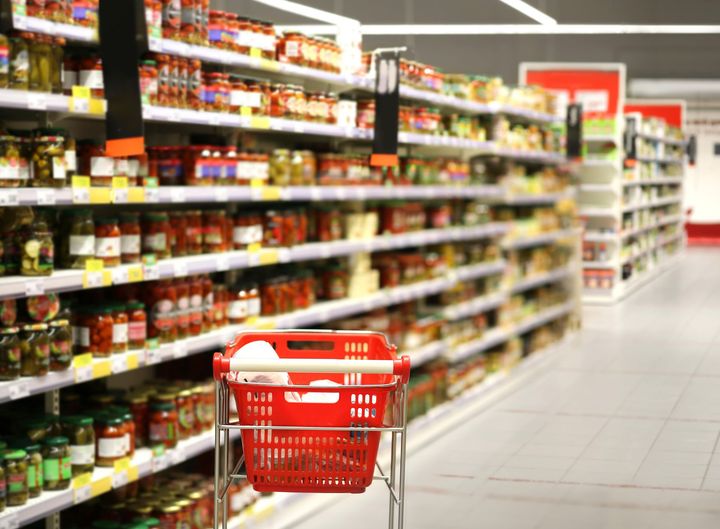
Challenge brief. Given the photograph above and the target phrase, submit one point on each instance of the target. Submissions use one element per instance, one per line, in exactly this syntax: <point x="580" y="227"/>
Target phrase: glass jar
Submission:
<point x="130" y="237"/>
<point x="10" y="353"/>
<point x="37" y="249"/>
<point x="35" y="350"/>
<point x="107" y="241"/>
<point x="163" y="422"/>
<point x="194" y="85"/>
<point x="220" y="299"/>
<point x="93" y="333"/>
<point x="19" y="61"/>
<point x="161" y="301"/>
<point x="156" y="235"/>
<point x="149" y="82"/>
<point x="49" y="161"/>
<point x="137" y="325"/>
<point x="16" y="466"/>
<point x="120" y="328"/>
<point x="130" y="433"/>
<point x="195" y="309"/>
<point x="109" y="440"/>
<point x="238" y="306"/>
<point x="182" y="308"/>
<point x="60" y="338"/>
<point x="139" y="408"/>
<point x="90" y="75"/>
<point x="213" y="228"/>
<point x="57" y="467"/>
<point x="79" y="246"/>
<point x="41" y="58"/>
<point x="9" y="158"/>
<point x="56" y="65"/>
<point x="280" y="167"/>
<point x="35" y="478"/>
<point x="81" y="434"/>
<point x="194" y="232"/>
<point x="4" y="61"/>
<point x="178" y="242"/>
<point x="186" y="414"/>
<point x="96" y="164"/>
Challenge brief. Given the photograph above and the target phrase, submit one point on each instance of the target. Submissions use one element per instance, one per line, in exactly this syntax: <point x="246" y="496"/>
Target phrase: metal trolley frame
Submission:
<point x="226" y="471"/>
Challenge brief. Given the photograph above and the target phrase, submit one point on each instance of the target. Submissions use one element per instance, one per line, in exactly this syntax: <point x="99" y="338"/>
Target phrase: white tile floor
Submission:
<point x="618" y="429"/>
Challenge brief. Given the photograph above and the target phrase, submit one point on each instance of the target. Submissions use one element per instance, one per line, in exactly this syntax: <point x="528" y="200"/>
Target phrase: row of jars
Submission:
<point x="80" y="12"/>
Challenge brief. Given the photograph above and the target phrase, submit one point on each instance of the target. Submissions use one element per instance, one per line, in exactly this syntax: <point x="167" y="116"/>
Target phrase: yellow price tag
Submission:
<point x="119" y="182"/>
<point x="133" y="473"/>
<point x="246" y="112"/>
<point x="266" y="325"/>
<point x="97" y="279"/>
<point x="122" y="464"/>
<point x="270" y="193"/>
<point x="256" y="53"/>
<point x="94" y="265"/>
<point x="268" y="257"/>
<point x="251" y="321"/>
<point x="132" y="361"/>
<point x="102" y="369"/>
<point x="97" y="106"/>
<point x="136" y="195"/>
<point x="260" y="122"/>
<point x="83" y="360"/>
<point x="83" y="480"/>
<point x="135" y="273"/>
<point x="257" y="182"/>
<point x="254" y="247"/>
<point x="269" y="65"/>
<point x="101" y="486"/>
<point x="81" y="92"/>
<point x="100" y="195"/>
<point x="80" y="181"/>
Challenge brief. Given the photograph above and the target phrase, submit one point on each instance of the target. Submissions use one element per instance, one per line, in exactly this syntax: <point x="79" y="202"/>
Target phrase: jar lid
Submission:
<point x="59" y="323"/>
<point x="135" y="305"/>
<point x="35" y="327"/>
<point x="170" y="509"/>
<point x="130" y="215"/>
<point x="162" y="406"/>
<point x="79" y="212"/>
<point x="78" y="420"/>
<point x="14" y="455"/>
<point x="108" y="420"/>
<point x="185" y="393"/>
<point x="9" y="330"/>
<point x="24" y="443"/>
<point x="149" y="62"/>
<point x="106" y="220"/>
<point x="58" y="440"/>
<point x="117" y="307"/>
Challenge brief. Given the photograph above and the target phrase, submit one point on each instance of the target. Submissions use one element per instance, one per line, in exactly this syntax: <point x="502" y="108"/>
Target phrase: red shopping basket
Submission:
<point x="308" y="458"/>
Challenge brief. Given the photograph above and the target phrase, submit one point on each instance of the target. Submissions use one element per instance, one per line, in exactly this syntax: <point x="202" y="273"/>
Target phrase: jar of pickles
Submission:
<point x="81" y="434"/>
<point x="9" y="161"/>
<point x="79" y="246"/>
<point x="35" y="478"/>
<point x="16" y="466"/>
<point x="41" y="60"/>
<point x="10" y="353"/>
<point x="60" y="338"/>
<point x="20" y="61"/>
<point x="37" y="249"/>
<point x="49" y="160"/>
<point x="35" y="350"/>
<point x="57" y="467"/>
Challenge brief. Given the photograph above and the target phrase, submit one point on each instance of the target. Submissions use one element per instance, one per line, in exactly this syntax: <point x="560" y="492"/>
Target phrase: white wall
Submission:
<point x="702" y="188"/>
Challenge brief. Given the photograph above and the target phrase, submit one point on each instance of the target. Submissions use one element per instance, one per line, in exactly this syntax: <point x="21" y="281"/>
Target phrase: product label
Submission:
<point x="162" y="315"/>
<point x="82" y="245"/>
<point x="161" y="432"/>
<point x="4" y="60"/>
<point x="253" y="307"/>
<point x="16" y="482"/>
<point x="171" y="12"/>
<point x="133" y="169"/>
<point x="121" y="167"/>
<point x="126" y="442"/>
<point x="93" y="79"/>
<point x="32" y="476"/>
<point x="130" y="244"/>
<point x="20" y="67"/>
<point x="51" y="470"/>
<point x="188" y="15"/>
<point x="59" y="169"/>
<point x="82" y="454"/>
<point x="182" y="312"/>
<point x="102" y="166"/>
<point x="137" y="331"/>
<point x="213" y="235"/>
<point x="81" y="336"/>
<point x="155" y="242"/>
<point x="120" y="333"/>
<point x="107" y="246"/>
<point x="111" y="447"/>
<point x="71" y="160"/>
<point x="70" y="79"/>
<point x="238" y="309"/>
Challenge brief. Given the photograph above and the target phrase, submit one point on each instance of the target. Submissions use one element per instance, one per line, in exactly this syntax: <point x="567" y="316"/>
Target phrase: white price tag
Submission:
<point x="119" y="363"/>
<point x="223" y="263"/>
<point x="37" y="101"/>
<point x="81" y="195"/>
<point x="19" y="22"/>
<point x="45" y="197"/>
<point x="173" y="115"/>
<point x="120" y="275"/>
<point x="34" y="288"/>
<point x="152" y="195"/>
<point x="160" y="463"/>
<point x="153" y="356"/>
<point x="120" y="479"/>
<point x="151" y="272"/>
<point x="120" y="195"/>
<point x="340" y="193"/>
<point x="315" y="193"/>
<point x="214" y="119"/>
<point x="9" y="521"/>
<point x="180" y="269"/>
<point x="299" y="129"/>
<point x="9" y="197"/>
<point x="221" y="194"/>
<point x="179" y="350"/>
<point x="83" y="374"/>
<point x="176" y="456"/>
<point x="19" y="390"/>
<point x="177" y="194"/>
<point x="80" y="104"/>
<point x="82" y="494"/>
<point x="93" y="279"/>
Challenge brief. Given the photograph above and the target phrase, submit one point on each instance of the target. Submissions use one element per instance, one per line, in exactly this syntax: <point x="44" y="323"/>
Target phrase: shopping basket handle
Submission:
<point x="400" y="367"/>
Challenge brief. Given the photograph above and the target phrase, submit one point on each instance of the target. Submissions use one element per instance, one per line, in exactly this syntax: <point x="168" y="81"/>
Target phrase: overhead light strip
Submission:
<point x="310" y="12"/>
<point x="530" y="11"/>
<point x="515" y="29"/>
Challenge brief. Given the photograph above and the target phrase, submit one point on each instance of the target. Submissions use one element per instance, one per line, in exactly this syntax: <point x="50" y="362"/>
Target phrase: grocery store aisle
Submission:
<point x="616" y="429"/>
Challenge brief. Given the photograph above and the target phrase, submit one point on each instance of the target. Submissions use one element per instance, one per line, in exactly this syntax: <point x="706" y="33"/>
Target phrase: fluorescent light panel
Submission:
<point x="309" y="12"/>
<point x="515" y="29"/>
<point x="530" y="11"/>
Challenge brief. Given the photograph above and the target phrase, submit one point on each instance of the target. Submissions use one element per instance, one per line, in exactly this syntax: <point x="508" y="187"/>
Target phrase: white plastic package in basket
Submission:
<point x="262" y="350"/>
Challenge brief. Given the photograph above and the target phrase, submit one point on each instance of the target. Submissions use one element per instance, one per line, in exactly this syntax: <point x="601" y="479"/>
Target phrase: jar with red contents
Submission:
<point x="278" y="101"/>
<point x="216" y="28"/>
<point x="182" y="308"/>
<point x="220" y="303"/>
<point x="107" y="241"/>
<point x="35" y="8"/>
<point x="120" y="328"/>
<point x="393" y="218"/>
<point x="163" y="421"/>
<point x="290" y="47"/>
<point x="186" y="414"/>
<point x="189" y="25"/>
<point x="197" y="162"/>
<point x="140" y="410"/>
<point x="335" y="279"/>
<point x="161" y="301"/>
<point x="96" y="164"/>
<point x="195" y="310"/>
<point x="149" y="82"/>
<point x="156" y="235"/>
<point x="248" y="230"/>
<point x="366" y="115"/>
<point x="208" y="303"/>
<point x="213" y="231"/>
<point x="90" y="75"/>
<point x="130" y="238"/>
<point x="110" y="440"/>
<point x="194" y="85"/>
<point x="169" y="165"/>
<point x="270" y="292"/>
<point x="92" y="332"/>
<point x="273" y="226"/>
<point x="137" y="325"/>
<point x="163" y="74"/>
<point x="173" y="82"/>
<point x="329" y="224"/>
<point x="130" y="431"/>
<point x="194" y="232"/>
<point x="183" y="67"/>
<point x="171" y="16"/>
<point x="178" y="241"/>
<point x="270" y="40"/>
<point x="230" y="36"/>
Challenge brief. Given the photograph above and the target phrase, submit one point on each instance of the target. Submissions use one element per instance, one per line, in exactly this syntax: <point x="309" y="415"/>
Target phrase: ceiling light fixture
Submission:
<point x="530" y="11"/>
<point x="310" y="12"/>
<point x="515" y="29"/>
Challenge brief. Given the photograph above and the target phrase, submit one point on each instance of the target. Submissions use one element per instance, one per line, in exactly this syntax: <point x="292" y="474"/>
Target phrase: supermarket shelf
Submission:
<point x="55" y="29"/>
<point x="662" y="139"/>
<point x="595" y="212"/>
<point x="537" y="240"/>
<point x="670" y="180"/>
<point x="426" y="353"/>
<point x="541" y="157"/>
<point x="102" y="480"/>
<point x="228" y="58"/>
<point x="591" y="236"/>
<point x="488" y="340"/>
<point x="541" y="279"/>
<point x="95" y="368"/>
<point x="660" y="243"/>
<point x="661" y="161"/>
<point x="39" y="101"/>
<point x="530" y="199"/>
<point x="600" y="162"/>
<point x="600" y="265"/>
<point x="70" y="280"/>
<point x="543" y="317"/>
<point x="663" y="222"/>
<point x="474" y="306"/>
<point x="602" y="138"/>
<point x="666" y="201"/>
<point x="598" y="188"/>
<point x="225" y="194"/>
